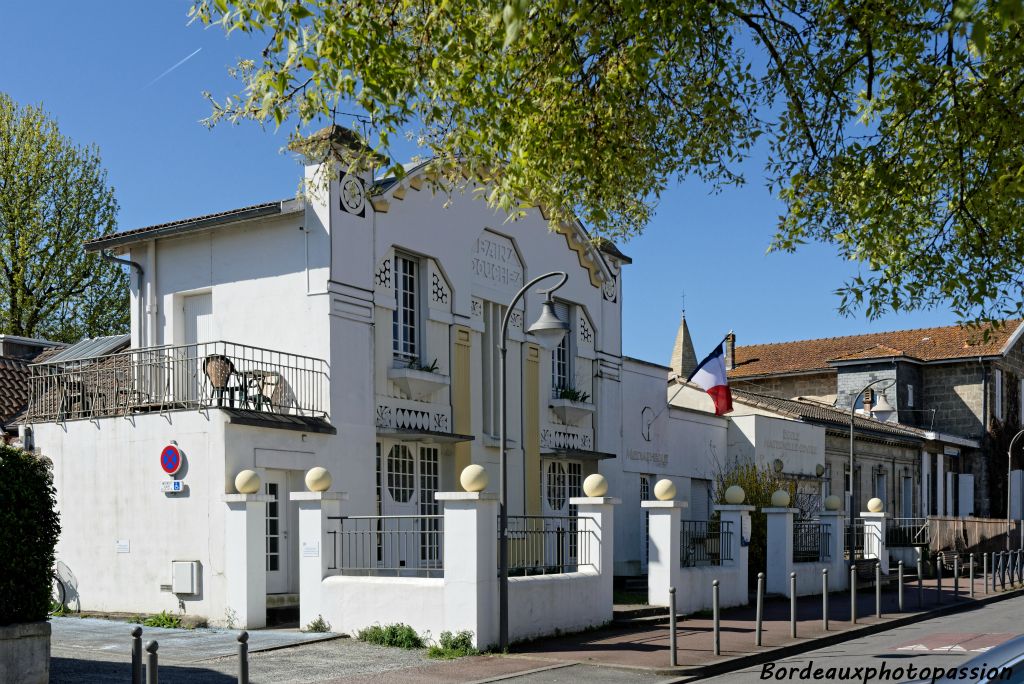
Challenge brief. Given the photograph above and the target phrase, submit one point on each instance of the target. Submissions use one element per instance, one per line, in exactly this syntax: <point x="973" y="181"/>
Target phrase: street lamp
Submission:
<point x="882" y="407"/>
<point x="549" y="330"/>
<point x="1009" y="474"/>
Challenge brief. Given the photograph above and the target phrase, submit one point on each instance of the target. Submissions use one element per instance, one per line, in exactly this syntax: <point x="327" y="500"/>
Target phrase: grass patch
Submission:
<point x="58" y="609"/>
<point x="319" y="625"/>
<point x="453" y="646"/>
<point x="163" y="619"/>
<point x="629" y="598"/>
<point x="398" y="636"/>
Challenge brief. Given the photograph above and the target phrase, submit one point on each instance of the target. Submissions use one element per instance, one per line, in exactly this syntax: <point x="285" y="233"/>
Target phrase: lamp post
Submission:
<point x="549" y="330"/>
<point x="1009" y="474"/>
<point x="882" y="407"/>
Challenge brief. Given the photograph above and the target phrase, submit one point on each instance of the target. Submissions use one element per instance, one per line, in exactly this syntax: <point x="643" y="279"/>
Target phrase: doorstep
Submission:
<point x="282" y="600"/>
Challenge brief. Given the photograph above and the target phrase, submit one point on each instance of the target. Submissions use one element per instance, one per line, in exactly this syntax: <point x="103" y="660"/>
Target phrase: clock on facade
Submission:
<point x="353" y="198"/>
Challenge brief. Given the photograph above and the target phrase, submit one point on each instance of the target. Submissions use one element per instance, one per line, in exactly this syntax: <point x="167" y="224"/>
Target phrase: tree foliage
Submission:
<point x="53" y="198"/>
<point x="893" y="127"/>
<point x="29" y="527"/>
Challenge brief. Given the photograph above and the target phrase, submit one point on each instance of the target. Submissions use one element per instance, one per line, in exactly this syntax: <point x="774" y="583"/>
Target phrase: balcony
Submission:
<point x="256" y="384"/>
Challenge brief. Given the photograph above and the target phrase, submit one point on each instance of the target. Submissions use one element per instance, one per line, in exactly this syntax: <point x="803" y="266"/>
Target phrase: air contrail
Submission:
<point x="172" y="68"/>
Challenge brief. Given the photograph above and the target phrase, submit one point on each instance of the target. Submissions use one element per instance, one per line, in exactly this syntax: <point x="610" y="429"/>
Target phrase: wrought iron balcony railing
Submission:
<point x="183" y="377"/>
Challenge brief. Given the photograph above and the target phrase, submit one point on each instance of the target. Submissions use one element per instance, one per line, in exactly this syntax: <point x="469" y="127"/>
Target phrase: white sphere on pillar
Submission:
<point x="595" y="485"/>
<point x="734" y="495"/>
<point x="247" y="482"/>
<point x="780" y="499"/>
<point x="875" y="505"/>
<point x="318" y="479"/>
<point x="665" y="490"/>
<point x="474" y="478"/>
<point x="832" y="502"/>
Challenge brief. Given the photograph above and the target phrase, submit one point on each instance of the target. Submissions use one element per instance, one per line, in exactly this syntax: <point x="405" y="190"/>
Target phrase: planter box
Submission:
<point x="416" y="384"/>
<point x="25" y="653"/>
<point x="571" y="412"/>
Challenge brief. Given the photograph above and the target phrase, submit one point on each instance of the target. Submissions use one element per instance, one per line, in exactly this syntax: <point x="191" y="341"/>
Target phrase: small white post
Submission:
<point x="471" y="564"/>
<point x="838" y="578"/>
<point x="596" y="537"/>
<point x="779" y="561"/>
<point x="874" y="538"/>
<point x="738" y="517"/>
<point x="245" y="559"/>
<point x="316" y="551"/>
<point x="663" y="556"/>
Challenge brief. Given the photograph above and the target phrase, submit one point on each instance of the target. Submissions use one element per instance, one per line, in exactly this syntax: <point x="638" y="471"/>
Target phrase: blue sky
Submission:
<point x="93" y="66"/>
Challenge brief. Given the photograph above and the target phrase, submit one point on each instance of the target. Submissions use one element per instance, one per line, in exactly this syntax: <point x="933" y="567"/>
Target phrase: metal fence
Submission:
<point x="388" y="545"/>
<point x="811" y="542"/>
<point x="191" y="376"/>
<point x="856" y="530"/>
<point x="548" y="544"/>
<point x="704" y="542"/>
<point x="906" y="532"/>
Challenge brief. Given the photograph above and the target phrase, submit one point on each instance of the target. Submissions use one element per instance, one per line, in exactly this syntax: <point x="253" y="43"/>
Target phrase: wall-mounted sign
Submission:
<point x="170" y="459"/>
<point x="172" y="486"/>
<point x="122" y="546"/>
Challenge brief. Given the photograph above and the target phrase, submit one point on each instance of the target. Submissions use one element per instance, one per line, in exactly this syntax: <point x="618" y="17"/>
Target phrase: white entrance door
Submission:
<point x="409" y="478"/>
<point x="563" y="480"/>
<point x="645" y="524"/>
<point x="276" y="486"/>
<point x="197" y="312"/>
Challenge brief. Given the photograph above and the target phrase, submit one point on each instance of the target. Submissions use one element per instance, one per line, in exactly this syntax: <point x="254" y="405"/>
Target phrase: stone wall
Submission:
<point x="955" y="391"/>
<point x="852" y="379"/>
<point x="816" y="385"/>
<point x="895" y="459"/>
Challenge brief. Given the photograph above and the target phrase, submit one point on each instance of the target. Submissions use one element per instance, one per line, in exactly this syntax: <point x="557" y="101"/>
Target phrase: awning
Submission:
<point x="413" y="435"/>
<point x="578" y="454"/>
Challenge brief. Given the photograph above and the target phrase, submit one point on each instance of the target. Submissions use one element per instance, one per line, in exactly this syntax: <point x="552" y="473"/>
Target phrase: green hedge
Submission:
<point x="29" y="526"/>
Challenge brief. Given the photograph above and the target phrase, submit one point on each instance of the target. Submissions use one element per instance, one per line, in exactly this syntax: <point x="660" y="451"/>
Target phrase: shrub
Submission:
<point x="399" y="636"/>
<point x="163" y="619"/>
<point x="453" y="646"/>
<point x="319" y="625"/>
<point x="29" y="527"/>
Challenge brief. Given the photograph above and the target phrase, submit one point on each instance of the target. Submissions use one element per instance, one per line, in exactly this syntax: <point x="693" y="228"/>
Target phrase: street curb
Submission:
<point x="698" y="672"/>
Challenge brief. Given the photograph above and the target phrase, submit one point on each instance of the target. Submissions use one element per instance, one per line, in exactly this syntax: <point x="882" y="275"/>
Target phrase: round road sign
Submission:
<point x="170" y="459"/>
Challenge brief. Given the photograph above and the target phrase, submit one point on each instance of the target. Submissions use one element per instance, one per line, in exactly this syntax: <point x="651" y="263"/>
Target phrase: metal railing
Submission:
<point x="548" y="544"/>
<point x="857" y="552"/>
<point x="182" y="377"/>
<point x="811" y="542"/>
<point x="906" y="532"/>
<point x="704" y="542"/>
<point x="387" y="545"/>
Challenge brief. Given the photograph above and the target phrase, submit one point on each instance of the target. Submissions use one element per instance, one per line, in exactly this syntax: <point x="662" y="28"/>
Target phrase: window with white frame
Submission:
<point x="401" y="473"/>
<point x="490" y="375"/>
<point x="998" y="392"/>
<point x="562" y="356"/>
<point x="406" y="317"/>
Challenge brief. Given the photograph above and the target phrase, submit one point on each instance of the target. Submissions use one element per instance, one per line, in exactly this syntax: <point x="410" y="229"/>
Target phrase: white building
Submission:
<point x="355" y="330"/>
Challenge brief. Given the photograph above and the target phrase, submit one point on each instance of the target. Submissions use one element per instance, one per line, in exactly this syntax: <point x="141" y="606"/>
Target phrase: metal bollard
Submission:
<point x="938" y="575"/>
<point x="1020" y="565"/>
<point x="715" y="617"/>
<point x="137" y="655"/>
<point x="1002" y="570"/>
<point x="792" y="605"/>
<point x="243" y="658"/>
<point x="152" y="668"/>
<point x="900" y="589"/>
<point x="760" y="609"/>
<point x="920" y="584"/>
<point x="672" y="625"/>
<point x="970" y="573"/>
<point x="878" y="589"/>
<point x="984" y="570"/>
<point x="853" y="594"/>
<point x="956" y="577"/>
<point x="824" y="599"/>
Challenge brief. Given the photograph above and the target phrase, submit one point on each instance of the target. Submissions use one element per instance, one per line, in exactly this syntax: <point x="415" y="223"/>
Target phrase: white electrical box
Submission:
<point x="185" y="577"/>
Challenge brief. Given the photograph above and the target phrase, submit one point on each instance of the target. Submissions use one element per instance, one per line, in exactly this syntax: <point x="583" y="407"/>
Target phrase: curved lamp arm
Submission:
<point x="519" y="295"/>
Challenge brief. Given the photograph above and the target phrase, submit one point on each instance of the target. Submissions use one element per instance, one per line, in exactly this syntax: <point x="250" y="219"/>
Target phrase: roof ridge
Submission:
<point x="1007" y="321"/>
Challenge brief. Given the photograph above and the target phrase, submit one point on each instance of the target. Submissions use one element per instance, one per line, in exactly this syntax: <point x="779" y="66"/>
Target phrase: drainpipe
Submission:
<point x="151" y="307"/>
<point x="135" y="266"/>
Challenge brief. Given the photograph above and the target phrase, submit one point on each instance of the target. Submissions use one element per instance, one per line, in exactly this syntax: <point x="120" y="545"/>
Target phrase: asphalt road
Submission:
<point x="940" y="642"/>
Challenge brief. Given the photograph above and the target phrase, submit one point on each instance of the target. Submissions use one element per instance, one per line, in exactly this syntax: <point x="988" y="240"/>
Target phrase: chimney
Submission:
<point x="730" y="351"/>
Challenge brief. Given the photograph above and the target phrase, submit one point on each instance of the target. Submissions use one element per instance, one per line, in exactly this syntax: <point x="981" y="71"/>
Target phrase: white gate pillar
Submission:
<point x="874" y="538"/>
<point x="316" y="551"/>
<point x="838" y="575"/>
<point x="597" y="537"/>
<point x="738" y="519"/>
<point x="663" y="556"/>
<point x="471" y="564"/>
<point x="779" y="556"/>
<point x="245" y="559"/>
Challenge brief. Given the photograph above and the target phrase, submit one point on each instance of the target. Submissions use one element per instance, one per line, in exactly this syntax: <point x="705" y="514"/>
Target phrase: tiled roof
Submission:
<point x="924" y="344"/>
<point x="14" y="374"/>
<point x="817" y="412"/>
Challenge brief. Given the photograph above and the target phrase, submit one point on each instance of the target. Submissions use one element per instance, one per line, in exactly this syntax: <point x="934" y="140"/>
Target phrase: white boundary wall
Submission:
<point x="780" y="563"/>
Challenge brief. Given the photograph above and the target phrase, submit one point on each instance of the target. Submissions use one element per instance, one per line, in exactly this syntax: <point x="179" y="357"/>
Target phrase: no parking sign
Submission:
<point x="170" y="459"/>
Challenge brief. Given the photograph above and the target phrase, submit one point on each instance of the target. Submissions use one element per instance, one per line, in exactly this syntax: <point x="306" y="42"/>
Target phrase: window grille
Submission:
<point x="405" y="318"/>
<point x="561" y="356"/>
<point x="400" y="473"/>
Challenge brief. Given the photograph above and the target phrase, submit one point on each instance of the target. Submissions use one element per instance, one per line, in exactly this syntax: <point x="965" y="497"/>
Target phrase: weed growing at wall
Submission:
<point x="29" y="527"/>
<point x="319" y="625"/>
<point x="163" y="619"/>
<point x="453" y="646"/>
<point x="398" y="636"/>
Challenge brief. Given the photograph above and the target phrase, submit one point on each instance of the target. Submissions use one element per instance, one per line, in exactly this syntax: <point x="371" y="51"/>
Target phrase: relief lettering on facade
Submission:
<point x="495" y="262"/>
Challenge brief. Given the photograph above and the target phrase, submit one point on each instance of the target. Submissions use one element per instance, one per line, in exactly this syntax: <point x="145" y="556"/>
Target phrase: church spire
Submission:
<point x="684" y="358"/>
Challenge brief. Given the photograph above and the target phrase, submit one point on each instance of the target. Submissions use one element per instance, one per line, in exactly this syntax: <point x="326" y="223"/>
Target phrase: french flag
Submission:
<point x="710" y="376"/>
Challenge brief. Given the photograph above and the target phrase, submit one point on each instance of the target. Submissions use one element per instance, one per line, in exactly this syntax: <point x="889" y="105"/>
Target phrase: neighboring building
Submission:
<point x="15" y="354"/>
<point x="964" y="384"/>
<point x="357" y="330"/>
